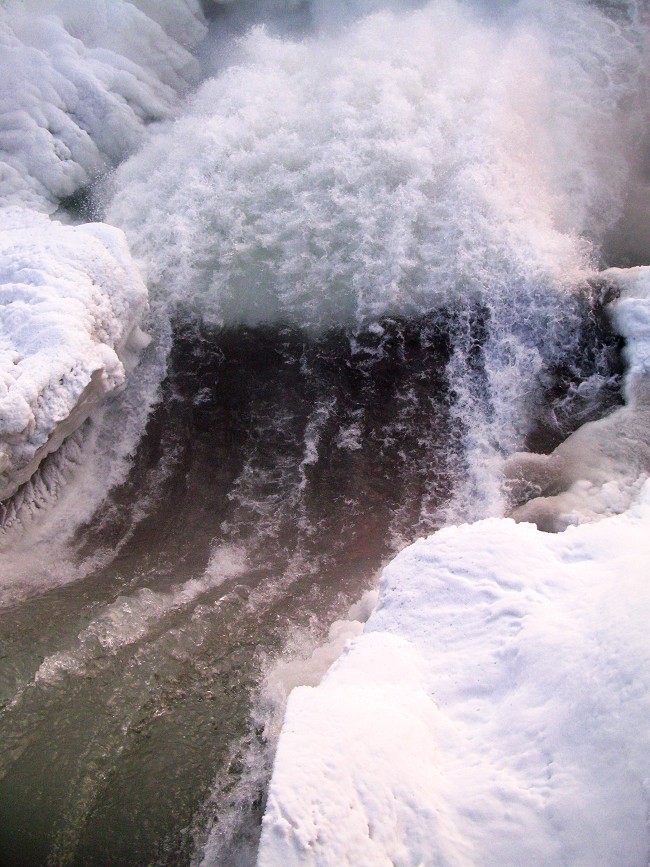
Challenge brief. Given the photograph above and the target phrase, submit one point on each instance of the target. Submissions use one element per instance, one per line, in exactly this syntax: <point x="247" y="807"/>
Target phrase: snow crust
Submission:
<point x="495" y="711"/>
<point x="71" y="299"/>
<point x="80" y="81"/>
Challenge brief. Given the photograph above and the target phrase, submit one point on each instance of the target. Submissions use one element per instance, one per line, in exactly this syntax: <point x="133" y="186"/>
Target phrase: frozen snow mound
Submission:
<point x="494" y="712"/>
<point x="600" y="468"/>
<point x="71" y="300"/>
<point x="80" y="81"/>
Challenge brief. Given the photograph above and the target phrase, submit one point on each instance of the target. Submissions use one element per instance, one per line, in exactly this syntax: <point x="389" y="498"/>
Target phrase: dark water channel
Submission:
<point x="276" y="475"/>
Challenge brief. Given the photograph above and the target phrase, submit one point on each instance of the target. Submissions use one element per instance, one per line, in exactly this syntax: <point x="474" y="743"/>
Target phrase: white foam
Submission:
<point x="405" y="162"/>
<point x="432" y="159"/>
<point x="132" y="617"/>
<point x="71" y="302"/>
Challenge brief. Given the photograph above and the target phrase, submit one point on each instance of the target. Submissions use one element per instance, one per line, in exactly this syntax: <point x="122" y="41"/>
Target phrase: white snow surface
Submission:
<point x="80" y="81"/>
<point x="495" y="711"/>
<point x="71" y="299"/>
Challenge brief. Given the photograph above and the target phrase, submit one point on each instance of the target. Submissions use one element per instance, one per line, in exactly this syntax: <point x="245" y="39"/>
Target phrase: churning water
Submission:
<point x="368" y="250"/>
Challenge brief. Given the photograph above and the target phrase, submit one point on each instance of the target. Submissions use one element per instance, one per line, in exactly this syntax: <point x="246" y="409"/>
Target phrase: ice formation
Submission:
<point x="80" y="80"/>
<point x="599" y="469"/>
<point x="71" y="300"/>
<point x="494" y="712"/>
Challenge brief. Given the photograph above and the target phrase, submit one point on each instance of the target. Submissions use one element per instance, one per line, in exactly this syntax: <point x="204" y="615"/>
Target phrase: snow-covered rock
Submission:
<point x="71" y="299"/>
<point x="80" y="81"/>
<point x="495" y="711"/>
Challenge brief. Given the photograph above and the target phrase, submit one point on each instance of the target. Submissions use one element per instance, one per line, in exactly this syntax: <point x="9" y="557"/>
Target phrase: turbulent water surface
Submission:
<point x="370" y="247"/>
<point x="276" y="475"/>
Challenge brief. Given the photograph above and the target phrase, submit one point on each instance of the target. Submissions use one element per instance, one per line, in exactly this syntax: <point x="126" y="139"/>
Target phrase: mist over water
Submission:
<point x="368" y="243"/>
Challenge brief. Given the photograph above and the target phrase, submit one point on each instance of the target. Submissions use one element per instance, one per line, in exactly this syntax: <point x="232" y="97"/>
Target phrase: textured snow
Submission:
<point x="80" y="81"/>
<point x="494" y="712"/>
<point x="71" y="299"/>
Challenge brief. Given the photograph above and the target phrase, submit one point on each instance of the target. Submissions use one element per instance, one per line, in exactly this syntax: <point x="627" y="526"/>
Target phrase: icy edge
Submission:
<point x="494" y="711"/>
<point x="71" y="301"/>
<point x="599" y="469"/>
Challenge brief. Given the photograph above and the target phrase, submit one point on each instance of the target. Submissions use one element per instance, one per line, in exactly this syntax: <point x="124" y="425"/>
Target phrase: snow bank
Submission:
<point x="70" y="303"/>
<point x="495" y="711"/>
<point x="80" y="80"/>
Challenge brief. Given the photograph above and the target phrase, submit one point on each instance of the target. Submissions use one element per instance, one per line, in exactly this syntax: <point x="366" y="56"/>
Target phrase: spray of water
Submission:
<point x="435" y="159"/>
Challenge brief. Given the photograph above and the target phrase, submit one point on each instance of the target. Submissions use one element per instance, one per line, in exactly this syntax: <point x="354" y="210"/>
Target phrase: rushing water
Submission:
<point x="276" y="474"/>
<point x="368" y="251"/>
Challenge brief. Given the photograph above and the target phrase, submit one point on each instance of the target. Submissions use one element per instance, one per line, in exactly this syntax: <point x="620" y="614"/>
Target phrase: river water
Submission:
<point x="369" y="257"/>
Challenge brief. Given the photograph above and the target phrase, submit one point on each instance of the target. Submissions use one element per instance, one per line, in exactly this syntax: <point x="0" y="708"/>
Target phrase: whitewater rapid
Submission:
<point x="345" y="269"/>
<point x="435" y="159"/>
